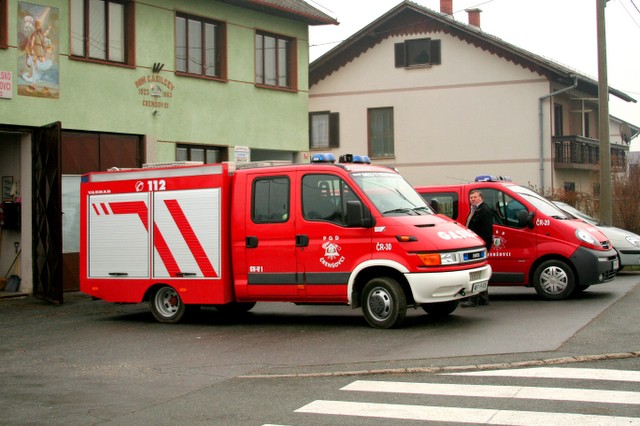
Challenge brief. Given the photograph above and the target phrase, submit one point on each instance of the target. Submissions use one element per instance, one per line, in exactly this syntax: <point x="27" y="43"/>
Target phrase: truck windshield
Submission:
<point x="391" y="194"/>
<point x="543" y="205"/>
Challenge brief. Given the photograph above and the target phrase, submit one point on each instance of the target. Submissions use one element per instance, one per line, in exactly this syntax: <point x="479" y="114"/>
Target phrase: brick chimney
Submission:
<point x="446" y="7"/>
<point x="474" y="17"/>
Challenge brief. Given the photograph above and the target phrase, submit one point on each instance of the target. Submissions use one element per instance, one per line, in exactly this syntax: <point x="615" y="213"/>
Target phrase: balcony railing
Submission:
<point x="577" y="152"/>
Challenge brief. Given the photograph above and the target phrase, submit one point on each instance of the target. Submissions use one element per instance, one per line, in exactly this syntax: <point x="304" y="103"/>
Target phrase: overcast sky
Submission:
<point x="563" y="31"/>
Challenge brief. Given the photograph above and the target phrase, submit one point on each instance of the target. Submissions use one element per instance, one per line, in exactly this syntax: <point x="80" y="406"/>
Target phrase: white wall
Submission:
<point x="474" y="114"/>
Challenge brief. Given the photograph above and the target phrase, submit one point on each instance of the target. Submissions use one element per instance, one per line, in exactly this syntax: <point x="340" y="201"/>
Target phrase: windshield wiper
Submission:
<point x="400" y="210"/>
<point x="421" y="208"/>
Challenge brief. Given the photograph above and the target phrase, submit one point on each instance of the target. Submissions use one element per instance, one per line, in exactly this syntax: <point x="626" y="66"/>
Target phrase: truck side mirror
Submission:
<point x="358" y="215"/>
<point x="525" y="218"/>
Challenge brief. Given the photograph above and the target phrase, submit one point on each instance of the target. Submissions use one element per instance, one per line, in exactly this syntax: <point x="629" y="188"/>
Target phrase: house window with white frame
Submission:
<point x="380" y="132"/>
<point x="103" y="30"/>
<point x="324" y="130"/>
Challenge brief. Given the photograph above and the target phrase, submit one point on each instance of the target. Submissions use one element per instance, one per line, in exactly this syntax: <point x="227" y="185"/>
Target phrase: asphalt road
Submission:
<point x="90" y="362"/>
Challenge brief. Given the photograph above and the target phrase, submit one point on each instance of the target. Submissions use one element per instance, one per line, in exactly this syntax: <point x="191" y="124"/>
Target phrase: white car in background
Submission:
<point x="626" y="243"/>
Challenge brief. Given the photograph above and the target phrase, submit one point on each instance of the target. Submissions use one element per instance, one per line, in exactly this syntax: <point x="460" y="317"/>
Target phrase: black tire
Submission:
<point x="384" y="303"/>
<point x="166" y="305"/>
<point x="235" y="308"/>
<point x="554" y="280"/>
<point x="440" y="309"/>
<point x="579" y="289"/>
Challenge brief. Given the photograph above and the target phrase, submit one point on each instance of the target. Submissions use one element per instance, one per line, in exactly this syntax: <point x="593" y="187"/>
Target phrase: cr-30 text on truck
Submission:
<point x="225" y="236"/>
<point x="535" y="244"/>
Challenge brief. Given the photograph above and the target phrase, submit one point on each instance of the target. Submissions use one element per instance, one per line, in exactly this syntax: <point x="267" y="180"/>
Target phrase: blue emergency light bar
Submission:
<point x="323" y="158"/>
<point x="344" y="158"/>
<point x="492" y="178"/>
<point x="356" y="159"/>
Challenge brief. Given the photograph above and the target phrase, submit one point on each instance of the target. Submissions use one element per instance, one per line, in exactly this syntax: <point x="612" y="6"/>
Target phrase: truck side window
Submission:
<point x="324" y="197"/>
<point x="512" y="208"/>
<point x="445" y="203"/>
<point x="270" y="201"/>
<point x="494" y="199"/>
<point x="505" y="208"/>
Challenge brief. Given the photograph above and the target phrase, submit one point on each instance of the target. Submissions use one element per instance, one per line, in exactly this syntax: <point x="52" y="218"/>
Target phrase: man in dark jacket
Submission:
<point x="480" y="221"/>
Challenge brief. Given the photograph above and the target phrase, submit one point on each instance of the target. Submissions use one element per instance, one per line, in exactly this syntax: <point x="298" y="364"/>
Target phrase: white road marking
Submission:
<point x="559" y="373"/>
<point x="460" y="415"/>
<point x="517" y="392"/>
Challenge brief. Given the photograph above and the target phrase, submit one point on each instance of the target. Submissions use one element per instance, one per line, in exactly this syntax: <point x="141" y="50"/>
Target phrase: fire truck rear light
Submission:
<point x="95" y="288"/>
<point x="406" y="238"/>
<point x="430" y="259"/>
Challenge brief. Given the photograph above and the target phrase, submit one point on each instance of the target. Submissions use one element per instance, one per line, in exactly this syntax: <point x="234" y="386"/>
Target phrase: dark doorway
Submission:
<point x="47" y="214"/>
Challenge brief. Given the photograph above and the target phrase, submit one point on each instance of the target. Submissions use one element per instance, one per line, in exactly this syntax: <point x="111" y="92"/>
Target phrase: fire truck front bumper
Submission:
<point x="445" y="286"/>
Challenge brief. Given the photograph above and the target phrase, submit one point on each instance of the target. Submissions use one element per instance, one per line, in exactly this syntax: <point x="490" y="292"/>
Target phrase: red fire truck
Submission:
<point x="221" y="235"/>
<point x="535" y="244"/>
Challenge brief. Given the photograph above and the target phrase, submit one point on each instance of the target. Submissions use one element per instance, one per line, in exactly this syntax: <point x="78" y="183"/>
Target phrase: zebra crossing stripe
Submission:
<point x="460" y="415"/>
<point x="516" y="392"/>
<point x="558" y="373"/>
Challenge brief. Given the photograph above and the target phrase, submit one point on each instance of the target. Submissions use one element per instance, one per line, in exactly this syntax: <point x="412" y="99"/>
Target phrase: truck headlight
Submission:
<point x="585" y="236"/>
<point x="449" y="258"/>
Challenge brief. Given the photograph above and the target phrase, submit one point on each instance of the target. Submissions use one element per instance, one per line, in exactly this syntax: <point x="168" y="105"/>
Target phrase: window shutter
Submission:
<point x="334" y="130"/>
<point x="434" y="47"/>
<point x="400" y="55"/>
<point x="310" y="131"/>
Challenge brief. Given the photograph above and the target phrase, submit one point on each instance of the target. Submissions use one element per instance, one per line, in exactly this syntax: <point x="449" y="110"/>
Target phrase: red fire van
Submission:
<point x="535" y="244"/>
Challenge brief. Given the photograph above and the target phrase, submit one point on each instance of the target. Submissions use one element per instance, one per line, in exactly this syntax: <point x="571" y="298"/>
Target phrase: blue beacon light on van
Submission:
<point x="492" y="178"/>
<point x="323" y="158"/>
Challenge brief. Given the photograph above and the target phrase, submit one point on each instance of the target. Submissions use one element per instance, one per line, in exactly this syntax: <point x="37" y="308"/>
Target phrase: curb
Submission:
<point x="535" y="362"/>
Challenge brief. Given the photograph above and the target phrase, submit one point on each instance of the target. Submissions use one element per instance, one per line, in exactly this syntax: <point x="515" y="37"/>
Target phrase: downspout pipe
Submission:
<point x="541" y="124"/>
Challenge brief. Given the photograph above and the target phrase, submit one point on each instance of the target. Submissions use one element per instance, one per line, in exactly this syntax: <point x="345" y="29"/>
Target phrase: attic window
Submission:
<point x="417" y="52"/>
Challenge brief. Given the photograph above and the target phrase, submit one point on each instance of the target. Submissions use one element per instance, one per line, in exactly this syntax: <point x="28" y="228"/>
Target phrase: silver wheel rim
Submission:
<point x="380" y="304"/>
<point x="554" y="280"/>
<point x="167" y="302"/>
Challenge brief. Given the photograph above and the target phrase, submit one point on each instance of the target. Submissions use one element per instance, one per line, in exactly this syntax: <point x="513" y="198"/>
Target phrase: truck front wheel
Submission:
<point x="554" y="280"/>
<point x="384" y="303"/>
<point x="166" y="305"/>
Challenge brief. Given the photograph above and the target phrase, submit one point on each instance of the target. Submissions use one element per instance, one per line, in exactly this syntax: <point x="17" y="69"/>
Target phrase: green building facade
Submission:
<point x="121" y="83"/>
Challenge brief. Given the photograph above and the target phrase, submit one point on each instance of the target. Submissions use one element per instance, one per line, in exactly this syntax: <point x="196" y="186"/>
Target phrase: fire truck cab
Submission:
<point x="325" y="233"/>
<point x="535" y="244"/>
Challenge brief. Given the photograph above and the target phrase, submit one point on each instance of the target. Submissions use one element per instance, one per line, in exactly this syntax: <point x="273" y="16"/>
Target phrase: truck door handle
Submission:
<point x="302" y="240"/>
<point x="251" y="242"/>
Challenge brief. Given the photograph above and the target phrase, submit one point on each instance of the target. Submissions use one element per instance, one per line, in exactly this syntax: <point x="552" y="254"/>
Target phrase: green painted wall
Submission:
<point x="98" y="97"/>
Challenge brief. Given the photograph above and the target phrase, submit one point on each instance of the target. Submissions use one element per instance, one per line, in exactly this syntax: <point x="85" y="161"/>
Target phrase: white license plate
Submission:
<point x="481" y="286"/>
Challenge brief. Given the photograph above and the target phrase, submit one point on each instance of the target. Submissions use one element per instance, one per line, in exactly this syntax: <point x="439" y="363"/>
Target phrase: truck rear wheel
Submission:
<point x="440" y="309"/>
<point x="384" y="303"/>
<point x="554" y="280"/>
<point x="166" y="305"/>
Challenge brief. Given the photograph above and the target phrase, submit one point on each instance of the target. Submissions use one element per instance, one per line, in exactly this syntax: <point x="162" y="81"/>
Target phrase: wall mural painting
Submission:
<point x="38" y="55"/>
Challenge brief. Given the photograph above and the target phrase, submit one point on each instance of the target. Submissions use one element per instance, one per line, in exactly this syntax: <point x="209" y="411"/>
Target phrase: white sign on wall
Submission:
<point x="242" y="154"/>
<point x="6" y="85"/>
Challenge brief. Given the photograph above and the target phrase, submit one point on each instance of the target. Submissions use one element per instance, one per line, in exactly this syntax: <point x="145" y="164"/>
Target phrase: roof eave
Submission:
<point x="312" y="17"/>
<point x="552" y="70"/>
